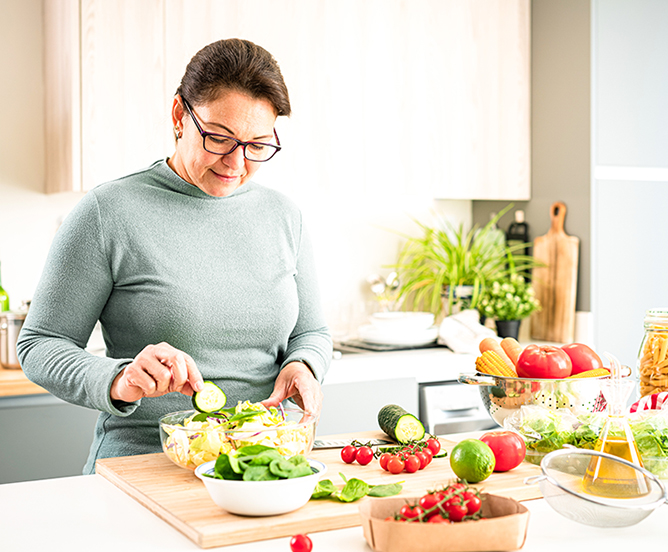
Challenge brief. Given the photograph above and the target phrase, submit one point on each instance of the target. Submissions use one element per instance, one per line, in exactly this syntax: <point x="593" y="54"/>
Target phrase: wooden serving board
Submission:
<point x="177" y="496"/>
<point x="556" y="283"/>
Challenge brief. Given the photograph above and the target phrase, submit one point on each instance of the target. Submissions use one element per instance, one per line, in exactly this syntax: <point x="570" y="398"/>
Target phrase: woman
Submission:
<point x="193" y="270"/>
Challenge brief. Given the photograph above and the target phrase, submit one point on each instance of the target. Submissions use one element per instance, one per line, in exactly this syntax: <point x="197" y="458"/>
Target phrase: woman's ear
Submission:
<point x="177" y="116"/>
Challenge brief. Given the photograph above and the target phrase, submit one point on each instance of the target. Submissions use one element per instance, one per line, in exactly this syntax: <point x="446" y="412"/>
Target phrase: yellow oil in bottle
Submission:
<point x="612" y="479"/>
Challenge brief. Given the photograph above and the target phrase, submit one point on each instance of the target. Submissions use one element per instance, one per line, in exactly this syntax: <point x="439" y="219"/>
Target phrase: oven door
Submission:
<point x="450" y="407"/>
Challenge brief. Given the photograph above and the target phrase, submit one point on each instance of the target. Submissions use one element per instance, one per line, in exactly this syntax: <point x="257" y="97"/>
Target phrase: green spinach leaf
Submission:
<point x="324" y="489"/>
<point x="390" y="489"/>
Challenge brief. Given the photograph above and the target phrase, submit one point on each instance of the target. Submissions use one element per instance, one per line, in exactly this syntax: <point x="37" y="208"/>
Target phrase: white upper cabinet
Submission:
<point x="424" y="97"/>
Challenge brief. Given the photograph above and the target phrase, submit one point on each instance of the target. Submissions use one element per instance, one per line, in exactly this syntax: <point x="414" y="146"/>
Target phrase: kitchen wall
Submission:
<point x="560" y="129"/>
<point x="355" y="236"/>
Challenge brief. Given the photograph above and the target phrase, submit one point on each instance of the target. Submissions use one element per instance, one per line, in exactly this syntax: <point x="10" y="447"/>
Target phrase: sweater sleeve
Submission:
<point x="74" y="287"/>
<point x="310" y="341"/>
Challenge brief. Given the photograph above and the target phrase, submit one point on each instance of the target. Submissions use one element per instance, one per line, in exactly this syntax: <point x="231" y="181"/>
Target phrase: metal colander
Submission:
<point x="561" y="483"/>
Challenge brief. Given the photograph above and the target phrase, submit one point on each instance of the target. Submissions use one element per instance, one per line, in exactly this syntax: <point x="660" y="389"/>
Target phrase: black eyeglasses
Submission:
<point x="220" y="144"/>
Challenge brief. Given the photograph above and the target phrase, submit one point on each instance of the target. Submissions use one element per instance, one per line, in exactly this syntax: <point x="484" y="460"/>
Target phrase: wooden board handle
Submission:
<point x="558" y="216"/>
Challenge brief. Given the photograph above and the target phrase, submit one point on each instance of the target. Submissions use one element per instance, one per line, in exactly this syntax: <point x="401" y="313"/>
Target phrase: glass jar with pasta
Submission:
<point x="653" y="356"/>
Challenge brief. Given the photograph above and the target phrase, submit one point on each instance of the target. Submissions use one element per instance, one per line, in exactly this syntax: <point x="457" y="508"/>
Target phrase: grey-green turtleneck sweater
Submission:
<point x="228" y="280"/>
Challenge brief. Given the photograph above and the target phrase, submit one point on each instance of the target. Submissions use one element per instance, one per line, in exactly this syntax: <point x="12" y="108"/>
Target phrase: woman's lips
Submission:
<point x="226" y="178"/>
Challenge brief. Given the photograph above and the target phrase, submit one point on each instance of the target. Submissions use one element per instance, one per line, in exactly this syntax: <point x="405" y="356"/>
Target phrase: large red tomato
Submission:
<point x="582" y="357"/>
<point x="508" y="448"/>
<point x="544" y="362"/>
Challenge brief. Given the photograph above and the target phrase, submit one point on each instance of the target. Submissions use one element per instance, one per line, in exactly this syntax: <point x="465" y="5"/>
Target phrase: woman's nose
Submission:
<point x="235" y="159"/>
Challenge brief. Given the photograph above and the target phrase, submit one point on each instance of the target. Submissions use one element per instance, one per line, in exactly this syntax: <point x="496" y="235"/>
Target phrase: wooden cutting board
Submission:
<point x="556" y="283"/>
<point x="178" y="497"/>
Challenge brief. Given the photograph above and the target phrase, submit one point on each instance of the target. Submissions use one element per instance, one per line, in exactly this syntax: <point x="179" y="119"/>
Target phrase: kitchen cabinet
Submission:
<point x="442" y="85"/>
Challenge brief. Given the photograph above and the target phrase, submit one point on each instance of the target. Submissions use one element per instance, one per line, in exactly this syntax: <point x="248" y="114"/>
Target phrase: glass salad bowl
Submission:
<point x="190" y="438"/>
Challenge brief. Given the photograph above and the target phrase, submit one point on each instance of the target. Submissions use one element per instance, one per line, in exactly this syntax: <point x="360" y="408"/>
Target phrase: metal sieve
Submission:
<point x="561" y="483"/>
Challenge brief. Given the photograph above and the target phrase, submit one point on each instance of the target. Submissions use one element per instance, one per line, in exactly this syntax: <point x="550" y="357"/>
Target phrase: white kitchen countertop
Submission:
<point x="84" y="513"/>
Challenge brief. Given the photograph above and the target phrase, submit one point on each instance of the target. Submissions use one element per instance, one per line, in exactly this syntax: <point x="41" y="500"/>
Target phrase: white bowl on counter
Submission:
<point x="402" y="321"/>
<point x="261" y="498"/>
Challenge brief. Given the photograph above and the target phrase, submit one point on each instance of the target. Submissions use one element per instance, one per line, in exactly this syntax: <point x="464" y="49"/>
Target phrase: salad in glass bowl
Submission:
<point x="191" y="438"/>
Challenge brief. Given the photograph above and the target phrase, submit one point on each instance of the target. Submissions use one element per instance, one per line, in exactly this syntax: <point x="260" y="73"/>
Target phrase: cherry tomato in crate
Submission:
<point x="411" y="512"/>
<point x="437" y="518"/>
<point x="508" y="448"/>
<point x="473" y="502"/>
<point x="430" y="500"/>
<point x="348" y="454"/>
<point x="364" y="455"/>
<point x="301" y="543"/>
<point x="455" y="508"/>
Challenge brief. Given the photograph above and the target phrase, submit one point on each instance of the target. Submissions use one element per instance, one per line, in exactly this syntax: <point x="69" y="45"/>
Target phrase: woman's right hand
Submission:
<point x="157" y="370"/>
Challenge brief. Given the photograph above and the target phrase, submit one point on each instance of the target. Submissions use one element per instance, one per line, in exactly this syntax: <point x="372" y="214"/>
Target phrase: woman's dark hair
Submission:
<point x="234" y="64"/>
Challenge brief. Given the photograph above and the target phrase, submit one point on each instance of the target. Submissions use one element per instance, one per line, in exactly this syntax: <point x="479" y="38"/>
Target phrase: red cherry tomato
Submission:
<point x="383" y="460"/>
<point x="544" y="362"/>
<point x="430" y="455"/>
<point x="348" y="454"/>
<point x="437" y="518"/>
<point x="301" y="543"/>
<point x="424" y="459"/>
<point x="412" y="464"/>
<point x="455" y="488"/>
<point x="473" y="502"/>
<point x="395" y="465"/>
<point x="582" y="357"/>
<point x="455" y="508"/>
<point x="430" y="500"/>
<point x="508" y="448"/>
<point x="364" y="455"/>
<point x="411" y="512"/>
<point x="434" y="445"/>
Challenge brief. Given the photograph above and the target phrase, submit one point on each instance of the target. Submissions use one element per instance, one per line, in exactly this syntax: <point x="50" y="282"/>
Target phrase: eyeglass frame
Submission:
<point x="277" y="147"/>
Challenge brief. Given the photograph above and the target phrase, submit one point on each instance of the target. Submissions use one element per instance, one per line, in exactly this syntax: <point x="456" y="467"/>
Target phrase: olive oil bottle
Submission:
<point x="609" y="478"/>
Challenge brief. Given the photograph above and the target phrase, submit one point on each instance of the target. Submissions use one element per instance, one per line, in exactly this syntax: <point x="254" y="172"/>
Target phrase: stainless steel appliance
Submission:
<point x="10" y="325"/>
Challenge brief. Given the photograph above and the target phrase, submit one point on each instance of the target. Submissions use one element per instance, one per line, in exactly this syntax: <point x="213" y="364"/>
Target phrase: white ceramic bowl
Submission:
<point x="261" y="498"/>
<point x="402" y="321"/>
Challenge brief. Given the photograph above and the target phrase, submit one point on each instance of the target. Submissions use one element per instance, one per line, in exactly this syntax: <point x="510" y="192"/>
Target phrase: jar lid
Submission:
<point x="658" y="316"/>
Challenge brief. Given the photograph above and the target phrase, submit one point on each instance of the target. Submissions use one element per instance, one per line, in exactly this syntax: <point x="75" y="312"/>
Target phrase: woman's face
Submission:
<point x="233" y="114"/>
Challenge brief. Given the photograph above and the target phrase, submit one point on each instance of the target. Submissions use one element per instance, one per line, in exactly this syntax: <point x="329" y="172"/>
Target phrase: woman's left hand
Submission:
<point x="296" y="381"/>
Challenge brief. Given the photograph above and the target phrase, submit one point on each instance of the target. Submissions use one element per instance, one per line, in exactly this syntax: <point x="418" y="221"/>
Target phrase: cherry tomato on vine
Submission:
<point x="455" y="487"/>
<point x="395" y="465"/>
<point x="383" y="460"/>
<point x="301" y="543"/>
<point x="430" y="500"/>
<point x="364" y="455"/>
<point x="437" y="518"/>
<point x="411" y="512"/>
<point x="348" y="454"/>
<point x="434" y="445"/>
<point x="412" y="464"/>
<point x="429" y="453"/>
<point x="455" y="508"/>
<point x="472" y="501"/>
<point x="424" y="459"/>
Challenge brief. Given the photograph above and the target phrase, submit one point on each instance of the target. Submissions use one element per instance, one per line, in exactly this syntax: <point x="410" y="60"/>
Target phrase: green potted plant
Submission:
<point x="508" y="300"/>
<point x="447" y="268"/>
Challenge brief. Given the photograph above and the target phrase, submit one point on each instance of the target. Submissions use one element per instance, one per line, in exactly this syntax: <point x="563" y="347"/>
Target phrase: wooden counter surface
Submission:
<point x="14" y="383"/>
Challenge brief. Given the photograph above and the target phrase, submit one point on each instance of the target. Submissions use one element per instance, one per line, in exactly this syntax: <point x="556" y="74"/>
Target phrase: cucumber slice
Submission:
<point x="209" y="399"/>
<point x="400" y="424"/>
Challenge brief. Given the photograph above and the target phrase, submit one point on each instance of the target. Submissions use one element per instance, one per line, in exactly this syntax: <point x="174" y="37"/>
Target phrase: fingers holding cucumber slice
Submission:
<point x="210" y="399"/>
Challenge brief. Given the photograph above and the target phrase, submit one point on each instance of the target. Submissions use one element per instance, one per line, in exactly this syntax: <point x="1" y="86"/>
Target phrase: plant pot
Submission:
<point x="508" y="328"/>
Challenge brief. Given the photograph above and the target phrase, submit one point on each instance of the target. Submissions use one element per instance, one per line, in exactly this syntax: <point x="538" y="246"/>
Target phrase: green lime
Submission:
<point x="472" y="460"/>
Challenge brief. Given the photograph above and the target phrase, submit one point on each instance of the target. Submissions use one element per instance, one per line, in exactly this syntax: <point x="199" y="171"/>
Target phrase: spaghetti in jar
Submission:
<point x="653" y="356"/>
